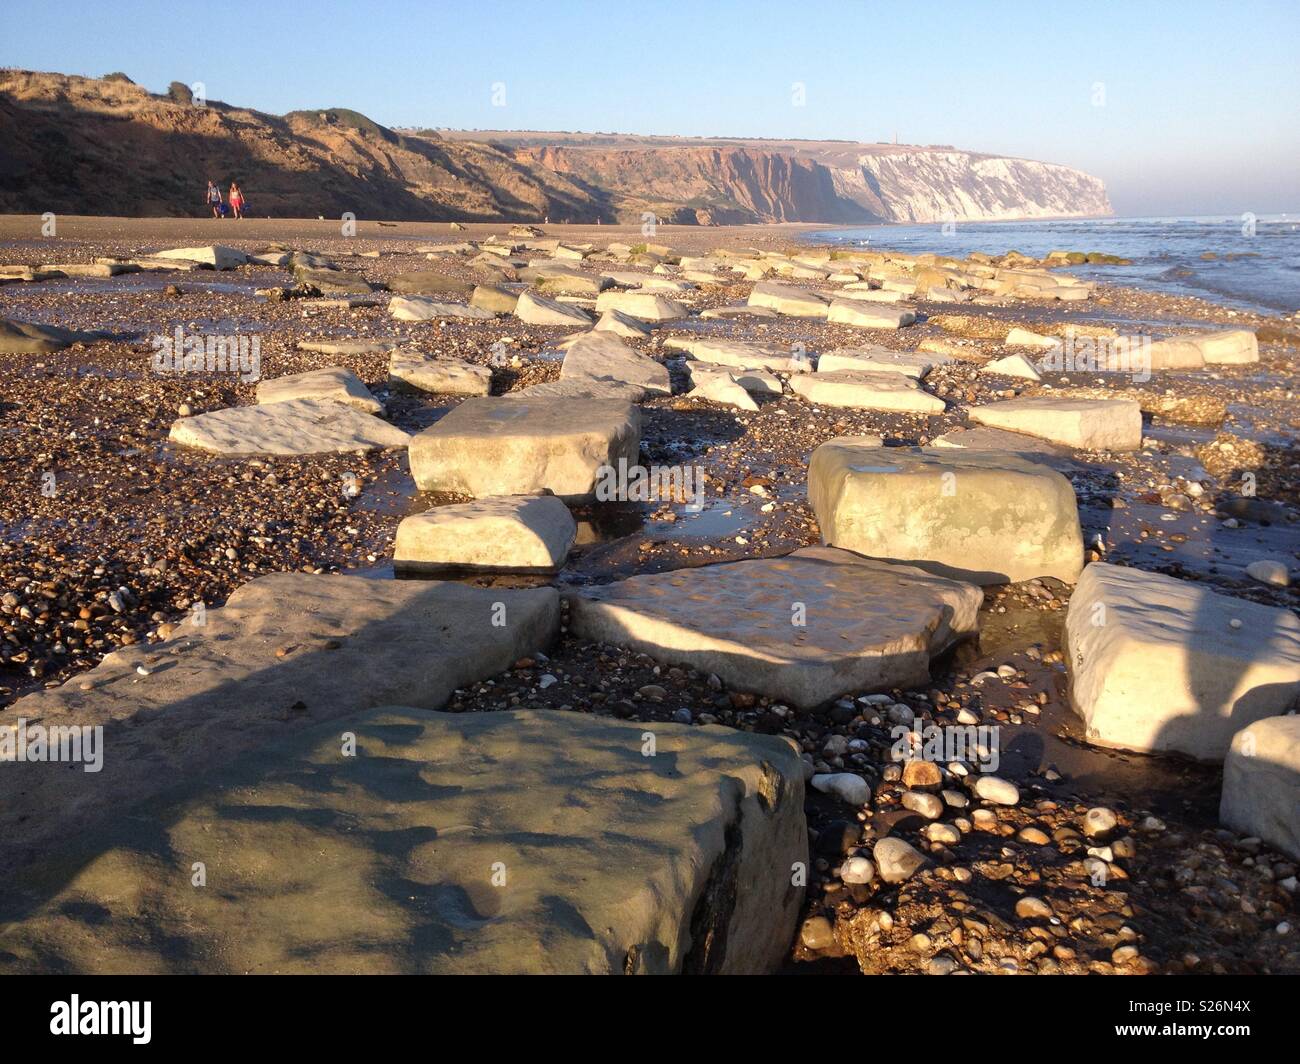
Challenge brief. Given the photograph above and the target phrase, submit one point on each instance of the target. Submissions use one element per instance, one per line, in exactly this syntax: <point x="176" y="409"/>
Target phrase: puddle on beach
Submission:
<point x="1178" y="435"/>
<point x="392" y="494"/>
<point x="609" y="536"/>
<point x="1054" y="739"/>
<point x="1258" y="424"/>
<point x="1152" y="537"/>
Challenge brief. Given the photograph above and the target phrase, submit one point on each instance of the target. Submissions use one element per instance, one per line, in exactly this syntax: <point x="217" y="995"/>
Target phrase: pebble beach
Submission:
<point x="1083" y="852"/>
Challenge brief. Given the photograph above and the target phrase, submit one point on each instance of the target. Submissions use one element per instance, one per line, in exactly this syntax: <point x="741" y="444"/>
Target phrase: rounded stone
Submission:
<point x="996" y="790"/>
<point x="897" y="860"/>
<point x="817" y="933"/>
<point x="921" y="775"/>
<point x="942" y="833"/>
<point x="857" y="870"/>
<point x="847" y="786"/>
<point x="929" y="806"/>
<point x="1269" y="571"/>
<point x="1099" y="822"/>
<point x="1031" y="908"/>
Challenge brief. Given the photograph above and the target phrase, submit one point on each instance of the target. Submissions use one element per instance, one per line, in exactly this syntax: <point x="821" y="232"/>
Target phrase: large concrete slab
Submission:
<point x="602" y="357"/>
<point x="740" y="312"/>
<point x="1012" y="366"/>
<point x="347" y="347"/>
<point x="1032" y="448"/>
<point x="652" y="283"/>
<point x="297" y="426"/>
<point x="754" y="381"/>
<point x="649" y="306"/>
<point x="866" y="315"/>
<point x="1018" y="337"/>
<point x="1261" y="783"/>
<point x="30" y="338"/>
<point x="869" y="295"/>
<point x="620" y="324"/>
<point x="804" y="629"/>
<point x="285" y="651"/>
<point x="1174" y="354"/>
<point x="875" y="359"/>
<point x="789" y="300"/>
<point x="1086" y="424"/>
<point x="515" y="842"/>
<point x="332" y="282"/>
<point x="515" y="533"/>
<point x="440" y="376"/>
<point x="1231" y="347"/>
<point x="566" y="281"/>
<point x="741" y="354"/>
<point x="428" y="283"/>
<point x="218" y="256"/>
<point x="721" y="386"/>
<point x="525" y="446"/>
<point x="495" y="298"/>
<point x="534" y="309"/>
<point x="426" y="308"/>
<point x="1159" y="664"/>
<point x="332" y="383"/>
<point x="866" y="391"/>
<point x="575" y="388"/>
<point x="982" y="516"/>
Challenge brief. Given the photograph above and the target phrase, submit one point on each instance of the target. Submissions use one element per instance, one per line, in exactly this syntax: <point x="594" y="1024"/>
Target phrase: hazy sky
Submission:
<point x="1181" y="107"/>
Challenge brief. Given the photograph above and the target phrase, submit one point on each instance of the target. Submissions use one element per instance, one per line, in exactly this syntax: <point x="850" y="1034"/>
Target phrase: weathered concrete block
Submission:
<point x="286" y="650"/>
<point x="787" y="299"/>
<point x="1261" y="783"/>
<point x="975" y="515"/>
<point x="1160" y="664"/>
<point x="519" y="842"/>
<point x="440" y="376"/>
<point x="1086" y="424"/>
<point x="866" y="391"/>
<point x="601" y="357"/>
<point x="329" y="383"/>
<point x="295" y="426"/>
<point x="868" y="315"/>
<point x="525" y="446"/>
<point x="648" y="306"/>
<point x="516" y="533"/>
<point x="806" y="628"/>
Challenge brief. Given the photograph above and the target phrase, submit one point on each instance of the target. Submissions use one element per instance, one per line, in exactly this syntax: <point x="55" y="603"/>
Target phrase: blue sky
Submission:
<point x="1181" y="107"/>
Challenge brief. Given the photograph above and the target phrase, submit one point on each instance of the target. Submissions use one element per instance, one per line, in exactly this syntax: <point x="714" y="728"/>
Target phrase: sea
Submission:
<point x="1243" y="261"/>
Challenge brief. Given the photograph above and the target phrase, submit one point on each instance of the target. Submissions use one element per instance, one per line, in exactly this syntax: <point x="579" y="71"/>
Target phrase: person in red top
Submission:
<point x="236" y="200"/>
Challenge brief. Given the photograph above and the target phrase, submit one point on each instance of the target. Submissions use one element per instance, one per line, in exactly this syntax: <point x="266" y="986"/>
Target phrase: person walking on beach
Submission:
<point x="214" y="199"/>
<point x="236" y="200"/>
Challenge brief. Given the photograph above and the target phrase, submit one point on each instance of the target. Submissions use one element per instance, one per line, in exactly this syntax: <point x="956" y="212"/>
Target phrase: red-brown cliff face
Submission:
<point x="852" y="184"/>
<point x="734" y="185"/>
<point x="108" y="146"/>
